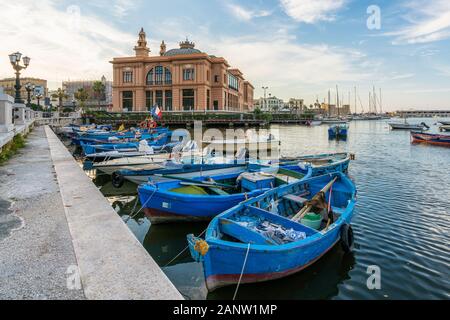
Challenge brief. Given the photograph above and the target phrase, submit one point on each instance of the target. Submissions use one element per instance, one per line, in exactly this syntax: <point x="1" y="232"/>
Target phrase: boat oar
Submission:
<point x="318" y="197"/>
<point x="207" y="183"/>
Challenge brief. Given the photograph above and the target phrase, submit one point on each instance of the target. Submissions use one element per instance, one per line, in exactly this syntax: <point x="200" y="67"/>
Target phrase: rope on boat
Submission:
<point x="242" y="272"/>
<point x="184" y="250"/>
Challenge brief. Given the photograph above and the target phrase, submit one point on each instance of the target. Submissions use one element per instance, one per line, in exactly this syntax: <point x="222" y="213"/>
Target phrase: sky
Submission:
<point x="297" y="48"/>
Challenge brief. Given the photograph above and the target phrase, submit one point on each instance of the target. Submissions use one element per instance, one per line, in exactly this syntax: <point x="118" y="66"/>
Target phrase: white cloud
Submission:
<point x="429" y="22"/>
<point x="312" y="11"/>
<point x="121" y="8"/>
<point x="61" y="43"/>
<point x="246" y="14"/>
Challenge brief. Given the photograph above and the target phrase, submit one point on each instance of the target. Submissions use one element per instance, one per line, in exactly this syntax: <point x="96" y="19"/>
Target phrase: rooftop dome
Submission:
<point x="186" y="47"/>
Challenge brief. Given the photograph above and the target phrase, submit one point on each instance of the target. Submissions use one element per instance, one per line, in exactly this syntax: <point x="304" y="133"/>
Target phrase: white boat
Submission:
<point x="408" y="126"/>
<point x="445" y="122"/>
<point x="252" y="145"/>
<point x="334" y="121"/>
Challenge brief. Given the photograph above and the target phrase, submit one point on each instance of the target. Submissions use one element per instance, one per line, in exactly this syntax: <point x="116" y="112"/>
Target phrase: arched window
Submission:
<point x="159" y="71"/>
<point x="167" y="76"/>
<point x="150" y="78"/>
<point x="158" y="76"/>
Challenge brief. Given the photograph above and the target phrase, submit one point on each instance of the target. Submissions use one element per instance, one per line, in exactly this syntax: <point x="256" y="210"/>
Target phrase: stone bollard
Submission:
<point x="19" y="113"/>
<point x="6" y="109"/>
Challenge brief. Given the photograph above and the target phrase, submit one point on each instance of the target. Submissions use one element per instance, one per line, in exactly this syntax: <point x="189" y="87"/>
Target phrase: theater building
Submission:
<point x="182" y="79"/>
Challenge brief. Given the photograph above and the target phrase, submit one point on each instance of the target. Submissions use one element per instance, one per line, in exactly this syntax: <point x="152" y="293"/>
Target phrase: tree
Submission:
<point x="60" y="95"/>
<point x="81" y="95"/>
<point x="99" y="91"/>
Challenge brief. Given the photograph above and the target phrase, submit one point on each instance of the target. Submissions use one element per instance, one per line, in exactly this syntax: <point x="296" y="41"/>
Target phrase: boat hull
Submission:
<point x="162" y="207"/>
<point x="216" y="281"/>
<point x="434" y="139"/>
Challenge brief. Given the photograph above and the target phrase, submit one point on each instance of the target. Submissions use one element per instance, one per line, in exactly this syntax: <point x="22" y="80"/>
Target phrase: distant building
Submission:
<point x="332" y="111"/>
<point x="39" y="84"/>
<point x="424" y="113"/>
<point x="71" y="87"/>
<point x="178" y="79"/>
<point x="296" y="105"/>
<point x="271" y="103"/>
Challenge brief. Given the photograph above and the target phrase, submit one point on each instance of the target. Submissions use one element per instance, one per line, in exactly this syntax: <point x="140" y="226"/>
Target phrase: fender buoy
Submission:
<point x="117" y="180"/>
<point x="202" y="247"/>
<point x="347" y="239"/>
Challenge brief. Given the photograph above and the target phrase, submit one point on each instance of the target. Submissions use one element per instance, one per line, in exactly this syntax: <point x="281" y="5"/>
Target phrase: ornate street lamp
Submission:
<point x="15" y="58"/>
<point x="30" y="88"/>
<point x="38" y="98"/>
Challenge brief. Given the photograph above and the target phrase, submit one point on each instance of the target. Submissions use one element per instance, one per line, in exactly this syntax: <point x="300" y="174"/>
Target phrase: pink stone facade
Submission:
<point x="177" y="80"/>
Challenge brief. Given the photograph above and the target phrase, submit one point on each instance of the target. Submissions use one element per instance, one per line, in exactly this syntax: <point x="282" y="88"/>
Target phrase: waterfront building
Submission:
<point x="296" y="105"/>
<point x="332" y="111"/>
<point x="104" y="101"/>
<point x="182" y="79"/>
<point x="39" y="84"/>
<point x="424" y="113"/>
<point x="270" y="103"/>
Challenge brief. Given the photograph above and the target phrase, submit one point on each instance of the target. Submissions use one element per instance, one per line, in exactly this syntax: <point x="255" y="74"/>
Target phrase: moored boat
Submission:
<point x="408" y="126"/>
<point x="203" y="197"/>
<point x="320" y="164"/>
<point x="430" y="138"/>
<point x="338" y="131"/>
<point x="268" y="237"/>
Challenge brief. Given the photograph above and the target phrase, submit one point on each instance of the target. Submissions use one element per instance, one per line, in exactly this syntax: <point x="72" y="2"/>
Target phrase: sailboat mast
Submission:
<point x="337" y="100"/>
<point x="329" y="101"/>
<point x="374" y="100"/>
<point x="381" y="104"/>
<point x="355" y="101"/>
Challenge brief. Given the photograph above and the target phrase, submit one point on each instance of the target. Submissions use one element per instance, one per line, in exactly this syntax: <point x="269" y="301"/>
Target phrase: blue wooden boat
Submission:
<point x="203" y="197"/>
<point x="430" y="138"/>
<point x="338" y="131"/>
<point x="175" y="169"/>
<point x="320" y="164"/>
<point x="262" y="239"/>
<point x="103" y="136"/>
<point x="90" y="148"/>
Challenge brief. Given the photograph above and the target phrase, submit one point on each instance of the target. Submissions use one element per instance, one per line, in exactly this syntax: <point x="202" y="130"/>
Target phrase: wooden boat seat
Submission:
<point x="297" y="199"/>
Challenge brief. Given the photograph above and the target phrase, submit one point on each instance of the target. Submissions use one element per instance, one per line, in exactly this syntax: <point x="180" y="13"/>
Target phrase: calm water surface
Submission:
<point x="401" y="223"/>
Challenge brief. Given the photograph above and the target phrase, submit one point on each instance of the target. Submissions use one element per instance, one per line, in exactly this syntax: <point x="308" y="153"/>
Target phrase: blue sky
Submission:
<point x="298" y="48"/>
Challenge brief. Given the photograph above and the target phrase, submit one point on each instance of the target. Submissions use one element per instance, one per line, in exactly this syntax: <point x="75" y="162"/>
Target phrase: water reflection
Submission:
<point x="401" y="223"/>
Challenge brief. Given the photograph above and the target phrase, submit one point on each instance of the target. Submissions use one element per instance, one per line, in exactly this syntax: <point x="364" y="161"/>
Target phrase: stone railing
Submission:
<point x="15" y="118"/>
<point x="56" y="118"/>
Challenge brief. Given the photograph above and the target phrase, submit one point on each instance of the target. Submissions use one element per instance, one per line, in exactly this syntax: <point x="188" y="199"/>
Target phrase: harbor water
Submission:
<point x="401" y="223"/>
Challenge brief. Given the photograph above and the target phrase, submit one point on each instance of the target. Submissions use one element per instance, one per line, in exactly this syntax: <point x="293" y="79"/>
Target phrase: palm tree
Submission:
<point x="99" y="90"/>
<point x="81" y="95"/>
<point x="60" y="95"/>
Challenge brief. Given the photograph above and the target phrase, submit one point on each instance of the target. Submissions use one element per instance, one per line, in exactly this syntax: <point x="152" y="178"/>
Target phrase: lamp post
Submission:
<point x="15" y="58"/>
<point x="30" y="88"/>
<point x="38" y="98"/>
<point x="265" y="101"/>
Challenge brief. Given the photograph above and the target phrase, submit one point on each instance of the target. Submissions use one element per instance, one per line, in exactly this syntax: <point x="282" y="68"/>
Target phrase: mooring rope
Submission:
<point x="132" y="215"/>
<point x="242" y="272"/>
<point x="182" y="251"/>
